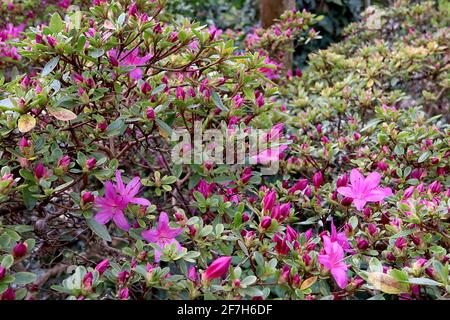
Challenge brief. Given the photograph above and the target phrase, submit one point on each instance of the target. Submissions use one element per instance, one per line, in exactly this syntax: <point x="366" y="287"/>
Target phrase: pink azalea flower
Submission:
<point x="116" y="199"/>
<point x="363" y="190"/>
<point x="130" y="58"/>
<point x="333" y="260"/>
<point x="269" y="155"/>
<point x="339" y="237"/>
<point x="163" y="235"/>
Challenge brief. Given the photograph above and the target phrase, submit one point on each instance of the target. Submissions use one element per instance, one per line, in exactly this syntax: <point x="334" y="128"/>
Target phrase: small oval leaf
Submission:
<point x="62" y="114"/>
<point x="26" y="123"/>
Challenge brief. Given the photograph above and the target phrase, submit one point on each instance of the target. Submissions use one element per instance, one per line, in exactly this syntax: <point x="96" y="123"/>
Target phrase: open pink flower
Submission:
<point x="363" y="190"/>
<point x="130" y="58"/>
<point x="339" y="237"/>
<point x="116" y="199"/>
<point x="269" y="155"/>
<point x="163" y="235"/>
<point x="333" y="260"/>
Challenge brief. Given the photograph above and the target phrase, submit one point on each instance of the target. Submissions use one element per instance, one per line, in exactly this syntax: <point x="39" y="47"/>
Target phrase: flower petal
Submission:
<point x="360" y="203"/>
<point x="346" y="192"/>
<point x="141" y="201"/>
<point x="372" y="181"/>
<point x="340" y="275"/>
<point x="136" y="74"/>
<point x="151" y="235"/>
<point x="120" y="220"/>
<point x="104" y="216"/>
<point x="120" y="186"/>
<point x="356" y="179"/>
<point x="133" y="186"/>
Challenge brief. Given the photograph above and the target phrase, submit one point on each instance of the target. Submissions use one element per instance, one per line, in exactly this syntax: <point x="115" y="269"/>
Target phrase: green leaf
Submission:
<point x="249" y="280"/>
<point x="424" y="282"/>
<point x="99" y="229"/>
<point x="164" y="127"/>
<point x="423" y="157"/>
<point x="24" y="277"/>
<point x="7" y="261"/>
<point x="217" y="101"/>
<point x="97" y="53"/>
<point x="50" y="66"/>
<point x="56" y="24"/>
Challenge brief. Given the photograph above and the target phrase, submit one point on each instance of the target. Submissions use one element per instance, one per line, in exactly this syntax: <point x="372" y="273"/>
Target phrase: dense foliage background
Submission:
<point x="93" y="207"/>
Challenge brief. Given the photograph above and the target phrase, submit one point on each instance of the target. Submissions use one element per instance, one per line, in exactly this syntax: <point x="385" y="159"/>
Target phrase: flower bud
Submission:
<point x="217" y="268"/>
<point x="372" y="228"/>
<point x="269" y="200"/>
<point x="19" y="250"/>
<point x="146" y="87"/>
<point x="40" y="171"/>
<point x="102" y="266"/>
<point x="124" y="294"/>
<point x="51" y="41"/>
<point x="266" y="222"/>
<point x="2" y="273"/>
<point x="8" y="294"/>
<point x="192" y="274"/>
<point x="90" y="163"/>
<point x="382" y="165"/>
<point x="435" y="187"/>
<point x="123" y="276"/>
<point x="150" y="114"/>
<point x="362" y="244"/>
<point x="317" y="179"/>
<point x="87" y="197"/>
<point x="342" y="181"/>
<point x="87" y="281"/>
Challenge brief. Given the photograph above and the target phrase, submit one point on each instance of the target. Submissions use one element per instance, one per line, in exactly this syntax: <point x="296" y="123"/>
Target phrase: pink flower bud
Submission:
<point x="357" y="136"/>
<point x="133" y="9"/>
<point x="123" y="276"/>
<point x="317" y="179"/>
<point x="38" y="38"/>
<point x="192" y="230"/>
<point x="372" y="228"/>
<point x="266" y="222"/>
<point x="192" y="274"/>
<point x="299" y="185"/>
<point x="146" y="88"/>
<point x="269" y="200"/>
<point x="400" y="243"/>
<point x="87" y="281"/>
<point x="40" y="171"/>
<point x="218" y="268"/>
<point x="124" y="294"/>
<point x="362" y="244"/>
<point x="342" y="181"/>
<point x="150" y="114"/>
<point x="64" y="162"/>
<point x="8" y="294"/>
<point x="90" y="163"/>
<point x="2" y="273"/>
<point x="19" y="250"/>
<point x="435" y="187"/>
<point x="51" y="41"/>
<point x="382" y="165"/>
<point x="245" y="217"/>
<point x="102" y="266"/>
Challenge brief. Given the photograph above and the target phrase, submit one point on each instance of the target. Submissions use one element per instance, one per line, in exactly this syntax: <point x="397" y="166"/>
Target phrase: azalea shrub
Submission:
<point x="93" y="204"/>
